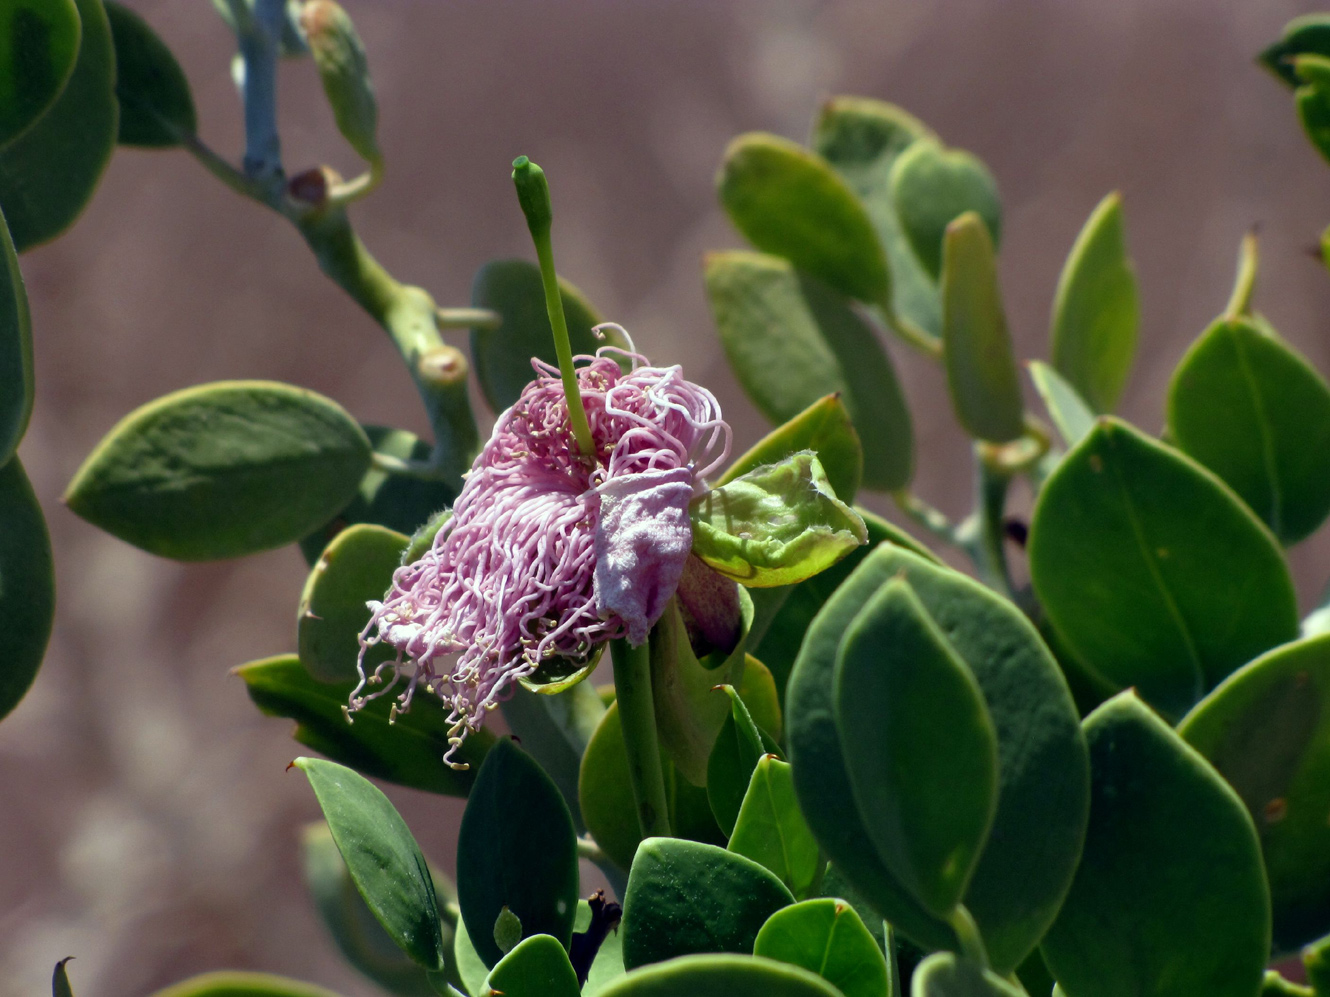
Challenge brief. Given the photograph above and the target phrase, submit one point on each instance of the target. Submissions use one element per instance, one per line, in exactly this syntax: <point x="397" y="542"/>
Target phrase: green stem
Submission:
<point x="637" y="717"/>
<point x="1239" y="303"/>
<point x="932" y="519"/>
<point x="562" y="348"/>
<point x="967" y="933"/>
<point x="925" y="342"/>
<point x="988" y="544"/>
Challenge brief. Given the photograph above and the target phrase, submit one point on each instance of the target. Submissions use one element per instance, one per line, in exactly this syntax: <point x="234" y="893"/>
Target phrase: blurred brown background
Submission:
<point x="148" y="827"/>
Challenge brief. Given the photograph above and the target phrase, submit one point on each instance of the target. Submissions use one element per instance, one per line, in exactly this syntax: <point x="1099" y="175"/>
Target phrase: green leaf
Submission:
<point x="503" y="355"/>
<point x="946" y="975"/>
<point x="1250" y="408"/>
<point x="1316" y="960"/>
<point x="919" y="746"/>
<point x="1274" y="985"/>
<point x="776" y="525"/>
<point x="1313" y="105"/>
<point x="156" y="106"/>
<point x="1266" y="729"/>
<point x="408" y="751"/>
<point x="1070" y="414"/>
<point x="233" y="984"/>
<point x="1152" y="571"/>
<point x="508" y="931"/>
<point x="1309" y="33"/>
<point x="37" y="56"/>
<point x="738" y="749"/>
<point x="1035" y="841"/>
<point x="685" y="897"/>
<point x="861" y="139"/>
<point x="985" y="388"/>
<point x="516" y="849"/>
<point x="555" y="730"/>
<point x="720" y="976"/>
<point x="770" y="829"/>
<point x="27" y="585"/>
<point x="356" y="567"/>
<point x="537" y="967"/>
<point x="792" y="341"/>
<point x="931" y="186"/>
<point x="789" y="202"/>
<point x="222" y="470"/>
<point x="1170" y="898"/>
<point x="826" y="937"/>
<point x="1096" y="311"/>
<point x="60" y="980"/>
<point x="470" y="968"/>
<point x="358" y="934"/>
<point x="382" y="859"/>
<point x="343" y="69"/>
<point x="824" y="428"/>
<point x="48" y="173"/>
<point x="758" y="691"/>
<point x="423" y="539"/>
<point x="16" y="376"/>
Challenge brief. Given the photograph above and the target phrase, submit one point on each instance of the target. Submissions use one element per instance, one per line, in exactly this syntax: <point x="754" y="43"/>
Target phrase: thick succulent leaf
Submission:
<point x="826" y="429"/>
<point x="16" y="376"/>
<point x="685" y="897"/>
<point x="156" y="106"/>
<point x="775" y="525"/>
<point x="1096" y="311"/>
<point x="1148" y="915"/>
<point x="1152" y="571"/>
<point x="1035" y="841"/>
<point x="40" y="49"/>
<point x="919" y="746"/>
<point x="1266" y="729"/>
<point x="537" y="966"/>
<point x="233" y="984"/>
<point x="789" y="202"/>
<point x="739" y="747"/>
<point x="1307" y="34"/>
<point x="1070" y="414"/>
<point x="48" y="173"/>
<point x="528" y="865"/>
<point x="222" y="470"/>
<point x="946" y="975"/>
<point x="981" y="372"/>
<point x="827" y="937"/>
<point x="1313" y="104"/>
<point x="771" y="830"/>
<point x="27" y="585"/>
<point x="931" y="186"/>
<point x="408" y="751"/>
<point x="720" y="976"/>
<point x="791" y="341"/>
<point x="382" y="859"/>
<point x="1250" y="408"/>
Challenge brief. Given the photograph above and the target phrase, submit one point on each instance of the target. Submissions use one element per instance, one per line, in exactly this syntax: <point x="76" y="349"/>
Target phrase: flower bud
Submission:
<point x="533" y="194"/>
<point x="344" y="70"/>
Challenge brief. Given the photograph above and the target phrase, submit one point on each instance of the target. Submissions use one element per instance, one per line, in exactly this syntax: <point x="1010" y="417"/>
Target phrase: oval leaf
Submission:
<point x="156" y="106"/>
<point x="739" y="747"/>
<point x="537" y="966"/>
<point x="720" y="976"/>
<point x="222" y="470"/>
<point x="41" y="48"/>
<point x="381" y="857"/>
<point x="772" y="831"/>
<point x="981" y="372"/>
<point x="931" y="186"/>
<point x="789" y="202"/>
<point x="48" y="173"/>
<point x="1096" y="311"/>
<point x="356" y="567"/>
<point x="791" y="341"/>
<point x="232" y="984"/>
<point x="1147" y="915"/>
<point x="27" y="585"/>
<point x="408" y="751"/>
<point x="16" y="379"/>
<point x="1068" y="410"/>
<point x="945" y="975"/>
<point x="1309" y="33"/>
<point x="516" y="849"/>
<point x="827" y="937"/>
<point x="685" y="897"/>
<point x="1152" y="571"/>
<point x="1251" y="409"/>
<point x="918" y="744"/>
<point x="1266" y="728"/>
<point x="824" y="428"/>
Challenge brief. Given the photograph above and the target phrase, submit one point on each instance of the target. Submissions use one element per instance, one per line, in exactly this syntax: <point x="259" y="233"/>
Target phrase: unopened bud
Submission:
<point x="533" y="194"/>
<point x="344" y="70"/>
<point x="443" y="366"/>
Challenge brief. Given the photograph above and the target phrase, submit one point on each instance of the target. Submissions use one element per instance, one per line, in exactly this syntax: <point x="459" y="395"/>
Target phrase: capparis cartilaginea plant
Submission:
<point x="828" y="764"/>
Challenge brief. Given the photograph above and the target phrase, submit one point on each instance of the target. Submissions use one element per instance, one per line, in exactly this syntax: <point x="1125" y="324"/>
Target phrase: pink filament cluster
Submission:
<point x="510" y="580"/>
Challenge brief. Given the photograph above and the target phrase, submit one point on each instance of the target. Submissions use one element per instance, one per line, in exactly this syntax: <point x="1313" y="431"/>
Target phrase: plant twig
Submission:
<point x="637" y="716"/>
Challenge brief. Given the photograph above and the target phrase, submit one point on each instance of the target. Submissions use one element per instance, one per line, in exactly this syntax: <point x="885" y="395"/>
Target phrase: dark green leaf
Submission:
<point x="1309" y="33"/>
<point x="1170" y="898"/>
<point x="38" y="54"/>
<point x="27" y="585"/>
<point x="382" y="859"/>
<point x="16" y="380"/>
<point x="516" y="849"/>
<point x="222" y="470"/>
<point x="555" y="729"/>
<point x="48" y="173"/>
<point x="739" y="746"/>
<point x="946" y="975"/>
<point x="232" y="984"/>
<point x="156" y="106"/>
<point x="1152" y="571"/>
<point x="408" y="751"/>
<point x="1070" y="414"/>
<point x="537" y="967"/>
<point x="792" y="341"/>
<point x="981" y="372"/>
<point x="60" y="980"/>
<point x="1266" y="728"/>
<point x="1096" y="311"/>
<point x="503" y="355"/>
<point x="720" y="976"/>
<point x="771" y="830"/>
<point x="931" y="186"/>
<point x="356" y="567"/>
<point x="685" y="897"/>
<point x="919" y="746"/>
<point x="826" y="937"/>
<point x="1034" y="845"/>
<point x="1250" y="408"/>
<point x="789" y="202"/>
<point x="470" y="968"/>
<point x="824" y="428"/>
<point x="1313" y="104"/>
